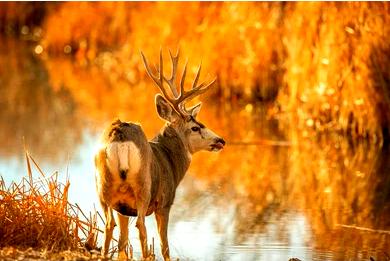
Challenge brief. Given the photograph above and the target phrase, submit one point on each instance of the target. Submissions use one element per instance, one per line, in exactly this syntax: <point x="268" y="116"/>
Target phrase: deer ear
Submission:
<point x="164" y="109"/>
<point x="195" y="110"/>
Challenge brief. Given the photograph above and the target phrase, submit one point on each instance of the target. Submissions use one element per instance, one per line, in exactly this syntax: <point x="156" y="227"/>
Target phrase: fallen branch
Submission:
<point x="365" y="229"/>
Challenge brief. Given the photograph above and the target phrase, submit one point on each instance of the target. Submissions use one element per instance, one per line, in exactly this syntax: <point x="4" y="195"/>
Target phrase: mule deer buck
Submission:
<point x="136" y="177"/>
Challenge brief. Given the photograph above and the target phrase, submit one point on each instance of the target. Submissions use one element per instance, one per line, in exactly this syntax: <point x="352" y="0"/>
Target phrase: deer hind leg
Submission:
<point x="109" y="228"/>
<point x="162" y="218"/>
<point x="142" y="206"/>
<point x="123" y="236"/>
<point x="143" y="235"/>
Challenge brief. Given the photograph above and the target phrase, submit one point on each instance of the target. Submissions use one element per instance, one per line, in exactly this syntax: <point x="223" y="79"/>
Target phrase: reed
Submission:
<point x="36" y="213"/>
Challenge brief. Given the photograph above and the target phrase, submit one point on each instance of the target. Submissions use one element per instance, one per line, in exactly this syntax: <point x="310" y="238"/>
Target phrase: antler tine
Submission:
<point x="197" y="77"/>
<point x="161" y="73"/>
<point x="196" y="91"/>
<point x="148" y="70"/>
<point x="172" y="81"/>
<point x="183" y="77"/>
<point x="158" y="80"/>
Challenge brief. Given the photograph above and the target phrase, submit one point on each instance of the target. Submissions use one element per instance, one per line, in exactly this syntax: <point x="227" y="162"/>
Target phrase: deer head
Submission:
<point x="171" y="108"/>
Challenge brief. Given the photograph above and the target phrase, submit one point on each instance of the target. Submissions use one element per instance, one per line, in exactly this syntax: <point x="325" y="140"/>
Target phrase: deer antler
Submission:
<point x="179" y="99"/>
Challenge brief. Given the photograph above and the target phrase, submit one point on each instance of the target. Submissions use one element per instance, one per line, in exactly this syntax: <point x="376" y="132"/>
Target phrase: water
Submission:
<point x="252" y="201"/>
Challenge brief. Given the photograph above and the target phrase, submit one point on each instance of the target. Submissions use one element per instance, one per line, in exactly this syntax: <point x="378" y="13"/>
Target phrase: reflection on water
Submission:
<point x="245" y="203"/>
<point x="31" y="109"/>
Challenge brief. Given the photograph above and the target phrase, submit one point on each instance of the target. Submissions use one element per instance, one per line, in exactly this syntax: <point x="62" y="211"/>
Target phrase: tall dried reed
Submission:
<point x="36" y="213"/>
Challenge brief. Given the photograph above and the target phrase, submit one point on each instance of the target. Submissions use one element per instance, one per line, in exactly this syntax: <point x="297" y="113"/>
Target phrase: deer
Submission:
<point x="136" y="177"/>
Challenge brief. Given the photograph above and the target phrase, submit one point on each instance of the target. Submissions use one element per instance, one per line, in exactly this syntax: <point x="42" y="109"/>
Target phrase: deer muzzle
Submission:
<point x="218" y="144"/>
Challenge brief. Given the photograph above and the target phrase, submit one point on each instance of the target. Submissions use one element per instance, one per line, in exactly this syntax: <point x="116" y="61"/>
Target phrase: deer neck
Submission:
<point x="174" y="151"/>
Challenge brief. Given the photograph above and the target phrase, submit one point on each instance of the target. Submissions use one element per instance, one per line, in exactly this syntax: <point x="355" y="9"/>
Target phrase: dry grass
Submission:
<point x="13" y="253"/>
<point x="35" y="213"/>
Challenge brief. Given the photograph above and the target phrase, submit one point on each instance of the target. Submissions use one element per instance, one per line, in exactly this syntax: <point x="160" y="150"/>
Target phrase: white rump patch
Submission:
<point x="123" y="156"/>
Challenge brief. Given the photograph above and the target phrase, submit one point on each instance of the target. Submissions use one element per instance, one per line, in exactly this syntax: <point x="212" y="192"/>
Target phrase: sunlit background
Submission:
<point x="302" y="99"/>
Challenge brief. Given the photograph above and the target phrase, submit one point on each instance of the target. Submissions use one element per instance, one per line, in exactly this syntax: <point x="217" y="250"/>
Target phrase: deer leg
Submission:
<point x="143" y="236"/>
<point x="123" y="236"/>
<point x="162" y="218"/>
<point x="110" y="224"/>
<point x="142" y="206"/>
<point x="142" y="231"/>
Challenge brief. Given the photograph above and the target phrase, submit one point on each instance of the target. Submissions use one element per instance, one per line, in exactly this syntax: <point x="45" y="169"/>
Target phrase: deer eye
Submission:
<point x="195" y="129"/>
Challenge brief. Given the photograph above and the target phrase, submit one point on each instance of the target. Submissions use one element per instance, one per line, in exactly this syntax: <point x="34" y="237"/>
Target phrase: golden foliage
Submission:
<point x="86" y="26"/>
<point x="335" y="75"/>
<point x="238" y="48"/>
<point x="327" y="63"/>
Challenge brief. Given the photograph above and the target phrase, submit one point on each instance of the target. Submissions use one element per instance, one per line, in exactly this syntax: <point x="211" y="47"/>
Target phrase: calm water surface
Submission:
<point x="270" y="201"/>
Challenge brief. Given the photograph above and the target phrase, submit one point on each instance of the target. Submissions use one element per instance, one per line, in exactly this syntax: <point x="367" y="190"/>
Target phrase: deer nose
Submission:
<point x="220" y="140"/>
